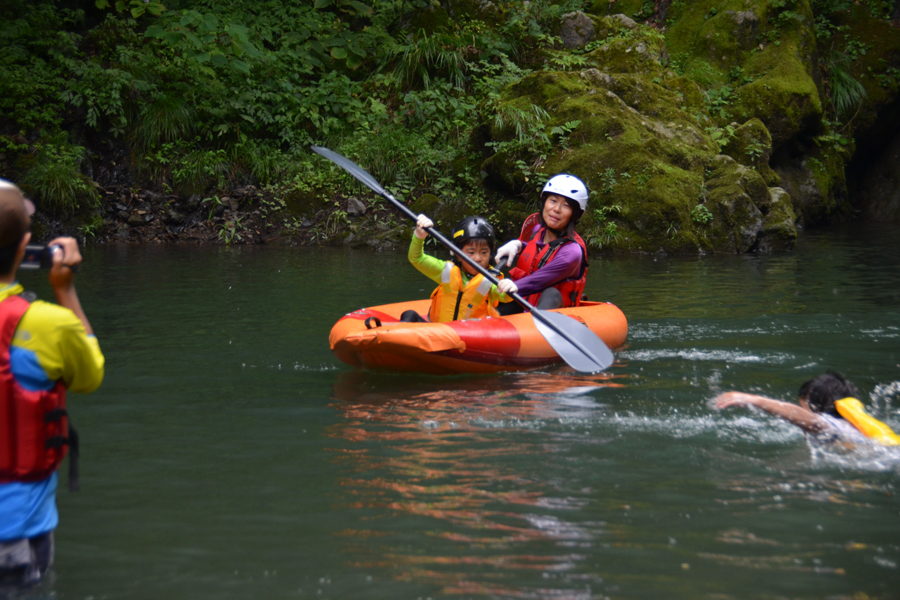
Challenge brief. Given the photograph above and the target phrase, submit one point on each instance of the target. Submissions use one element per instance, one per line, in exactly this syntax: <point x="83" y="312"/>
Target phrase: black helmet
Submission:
<point x="474" y="228"/>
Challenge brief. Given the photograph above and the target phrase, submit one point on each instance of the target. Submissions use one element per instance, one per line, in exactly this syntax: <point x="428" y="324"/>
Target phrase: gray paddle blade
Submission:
<point x="585" y="352"/>
<point x="360" y="174"/>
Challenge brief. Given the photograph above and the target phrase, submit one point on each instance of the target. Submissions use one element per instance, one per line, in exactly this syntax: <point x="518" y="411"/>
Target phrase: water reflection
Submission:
<point x="457" y="464"/>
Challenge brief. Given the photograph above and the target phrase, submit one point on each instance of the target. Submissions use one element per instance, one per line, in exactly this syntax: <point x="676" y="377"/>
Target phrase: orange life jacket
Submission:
<point x="453" y="301"/>
<point x="34" y="428"/>
<point x="852" y="410"/>
<point x="531" y="259"/>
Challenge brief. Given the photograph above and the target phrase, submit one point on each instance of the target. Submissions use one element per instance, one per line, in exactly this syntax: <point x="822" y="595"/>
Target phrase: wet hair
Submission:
<point x="8" y="256"/>
<point x="822" y="391"/>
<point x="576" y="214"/>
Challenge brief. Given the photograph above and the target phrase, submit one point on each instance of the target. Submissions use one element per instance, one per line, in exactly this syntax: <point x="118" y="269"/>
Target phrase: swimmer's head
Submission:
<point x="820" y="392"/>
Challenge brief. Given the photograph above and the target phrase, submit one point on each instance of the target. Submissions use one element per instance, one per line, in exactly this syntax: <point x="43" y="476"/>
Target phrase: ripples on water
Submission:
<point x="229" y="455"/>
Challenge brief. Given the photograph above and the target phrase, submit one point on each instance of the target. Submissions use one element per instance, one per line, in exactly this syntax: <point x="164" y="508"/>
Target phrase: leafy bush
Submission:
<point x="55" y="179"/>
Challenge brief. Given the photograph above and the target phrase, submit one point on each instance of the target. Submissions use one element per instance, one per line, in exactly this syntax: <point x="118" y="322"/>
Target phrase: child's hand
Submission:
<point x="507" y="286"/>
<point x="423" y="223"/>
<point x="730" y="399"/>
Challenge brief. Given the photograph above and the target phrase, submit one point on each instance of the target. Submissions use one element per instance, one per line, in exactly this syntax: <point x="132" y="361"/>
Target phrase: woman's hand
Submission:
<point x="507" y="286"/>
<point x="423" y="223"/>
<point x="508" y="252"/>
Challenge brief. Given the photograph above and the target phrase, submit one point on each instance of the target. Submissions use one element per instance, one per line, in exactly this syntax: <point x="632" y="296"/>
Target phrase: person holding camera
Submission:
<point x="45" y="350"/>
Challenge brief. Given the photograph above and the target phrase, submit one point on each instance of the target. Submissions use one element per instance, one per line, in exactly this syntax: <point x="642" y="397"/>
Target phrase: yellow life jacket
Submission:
<point x="451" y="301"/>
<point x="852" y="410"/>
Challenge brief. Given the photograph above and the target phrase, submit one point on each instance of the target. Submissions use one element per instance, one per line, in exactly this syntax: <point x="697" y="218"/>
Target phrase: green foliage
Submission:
<point x="530" y="143"/>
<point x="718" y="99"/>
<point x="421" y="58"/>
<point x="701" y="215"/>
<point x="230" y="231"/>
<point x="755" y="150"/>
<point x="846" y="92"/>
<point x="833" y="139"/>
<point x="890" y="77"/>
<point x="608" y="180"/>
<point x="603" y="230"/>
<point x="564" y="131"/>
<point x="721" y="135"/>
<point x="164" y="120"/>
<point x="55" y="179"/>
<point x="401" y="158"/>
<point x="90" y="228"/>
<point x="136" y="7"/>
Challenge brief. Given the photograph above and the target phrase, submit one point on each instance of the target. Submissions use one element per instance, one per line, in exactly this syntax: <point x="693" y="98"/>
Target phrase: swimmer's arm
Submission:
<point x="803" y="418"/>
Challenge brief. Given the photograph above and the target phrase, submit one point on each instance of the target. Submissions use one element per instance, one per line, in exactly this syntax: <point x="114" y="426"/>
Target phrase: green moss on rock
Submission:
<point x="752" y="146"/>
<point x="779" y="232"/>
<point x="816" y="182"/>
<point x="718" y="44"/>
<point x="641" y="146"/>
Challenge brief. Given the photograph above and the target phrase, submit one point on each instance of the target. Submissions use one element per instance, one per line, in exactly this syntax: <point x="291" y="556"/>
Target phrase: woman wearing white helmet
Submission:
<point x="550" y="257"/>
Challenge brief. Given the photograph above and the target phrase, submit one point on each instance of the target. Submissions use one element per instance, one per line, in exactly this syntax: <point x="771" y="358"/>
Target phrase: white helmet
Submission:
<point x="567" y="186"/>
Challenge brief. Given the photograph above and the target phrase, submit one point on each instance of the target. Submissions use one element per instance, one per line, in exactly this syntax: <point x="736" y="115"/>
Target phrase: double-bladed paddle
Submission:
<point x="575" y="343"/>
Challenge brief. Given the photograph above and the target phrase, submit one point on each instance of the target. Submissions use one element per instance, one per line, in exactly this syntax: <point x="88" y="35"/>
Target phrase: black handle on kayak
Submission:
<point x="593" y="362"/>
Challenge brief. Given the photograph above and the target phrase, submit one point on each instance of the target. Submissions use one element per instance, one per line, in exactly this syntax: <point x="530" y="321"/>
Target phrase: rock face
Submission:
<point x="763" y="61"/>
<point x="647" y="147"/>
<point x="879" y="192"/>
<point x="720" y="135"/>
<point x="355" y="208"/>
<point x="577" y="30"/>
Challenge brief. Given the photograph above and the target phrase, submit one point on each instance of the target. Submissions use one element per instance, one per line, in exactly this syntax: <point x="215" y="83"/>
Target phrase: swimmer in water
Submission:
<point x="827" y="407"/>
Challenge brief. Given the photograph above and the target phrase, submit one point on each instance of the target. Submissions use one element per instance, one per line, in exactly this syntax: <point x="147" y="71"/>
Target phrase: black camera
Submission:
<point x="38" y="257"/>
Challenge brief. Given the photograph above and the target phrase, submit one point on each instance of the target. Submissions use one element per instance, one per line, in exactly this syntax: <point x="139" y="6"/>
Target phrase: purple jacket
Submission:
<point x="566" y="264"/>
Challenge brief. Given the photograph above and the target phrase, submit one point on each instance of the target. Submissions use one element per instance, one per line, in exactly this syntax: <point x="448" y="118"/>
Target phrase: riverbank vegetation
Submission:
<point x="192" y="119"/>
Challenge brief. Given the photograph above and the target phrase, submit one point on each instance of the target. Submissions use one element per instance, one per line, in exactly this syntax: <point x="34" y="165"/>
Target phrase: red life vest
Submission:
<point x="531" y="259"/>
<point x="34" y="428"/>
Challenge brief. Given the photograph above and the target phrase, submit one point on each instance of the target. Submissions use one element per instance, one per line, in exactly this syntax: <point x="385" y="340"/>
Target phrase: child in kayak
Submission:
<point x="462" y="292"/>
<point x="828" y="407"/>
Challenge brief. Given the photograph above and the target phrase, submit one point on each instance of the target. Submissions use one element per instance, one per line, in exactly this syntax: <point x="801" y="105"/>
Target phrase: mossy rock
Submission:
<point x="779" y="232"/>
<point x="875" y="122"/>
<point x="641" y="146"/>
<point x="301" y="203"/>
<point x="624" y="47"/>
<point x="877" y="70"/>
<point x="816" y="180"/>
<point x="785" y="99"/>
<point x="709" y="37"/>
<point x="629" y="8"/>
<point x="444" y="213"/>
<point x="751" y="145"/>
<point x="717" y="44"/>
<point x="740" y="203"/>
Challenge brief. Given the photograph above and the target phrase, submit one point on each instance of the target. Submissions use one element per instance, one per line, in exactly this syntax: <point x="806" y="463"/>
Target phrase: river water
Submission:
<point x="228" y="454"/>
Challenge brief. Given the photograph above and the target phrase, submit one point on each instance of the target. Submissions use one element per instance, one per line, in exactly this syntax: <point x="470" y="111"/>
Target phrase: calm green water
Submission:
<point x="229" y="455"/>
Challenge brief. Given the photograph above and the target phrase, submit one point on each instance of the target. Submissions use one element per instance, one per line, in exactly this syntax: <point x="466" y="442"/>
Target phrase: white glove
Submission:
<point x="423" y="223"/>
<point x="508" y="252"/>
<point x="507" y="286"/>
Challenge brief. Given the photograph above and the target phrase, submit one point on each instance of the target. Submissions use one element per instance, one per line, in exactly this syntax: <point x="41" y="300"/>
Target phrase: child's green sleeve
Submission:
<point x="497" y="296"/>
<point x="429" y="266"/>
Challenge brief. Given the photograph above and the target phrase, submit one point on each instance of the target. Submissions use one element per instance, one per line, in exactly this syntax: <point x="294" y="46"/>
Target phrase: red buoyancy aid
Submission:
<point x="531" y="259"/>
<point x="34" y="428"/>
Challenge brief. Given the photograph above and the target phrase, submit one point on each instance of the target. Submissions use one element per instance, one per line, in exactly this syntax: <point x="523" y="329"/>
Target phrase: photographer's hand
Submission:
<point x="62" y="277"/>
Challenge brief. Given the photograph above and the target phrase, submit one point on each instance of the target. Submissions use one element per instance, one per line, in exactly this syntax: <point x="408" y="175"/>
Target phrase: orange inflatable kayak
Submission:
<point x="374" y="338"/>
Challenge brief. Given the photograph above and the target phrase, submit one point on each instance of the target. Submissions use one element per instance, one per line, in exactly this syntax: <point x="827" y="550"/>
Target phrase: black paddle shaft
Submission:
<point x="366" y="179"/>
